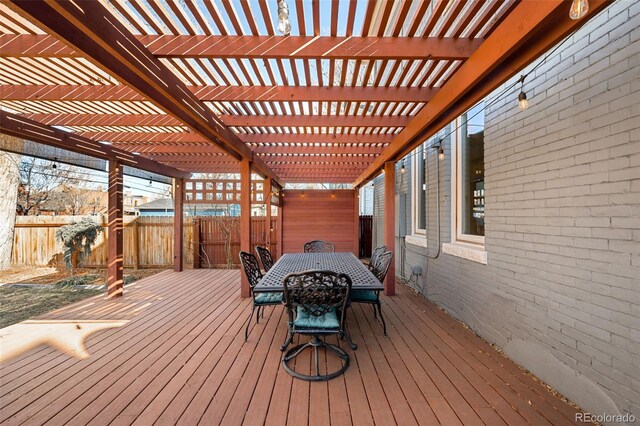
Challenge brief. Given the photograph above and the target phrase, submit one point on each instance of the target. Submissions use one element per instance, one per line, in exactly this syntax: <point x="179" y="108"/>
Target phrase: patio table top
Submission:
<point x="346" y="262"/>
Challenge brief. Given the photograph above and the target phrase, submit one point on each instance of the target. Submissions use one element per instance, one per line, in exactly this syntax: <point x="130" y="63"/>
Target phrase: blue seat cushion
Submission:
<point x="364" y="296"/>
<point x="268" y="298"/>
<point x="326" y="321"/>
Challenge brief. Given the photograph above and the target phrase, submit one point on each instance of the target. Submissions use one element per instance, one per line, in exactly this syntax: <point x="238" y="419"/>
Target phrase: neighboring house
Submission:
<point x="130" y="202"/>
<point x="164" y="207"/>
<point x="536" y="247"/>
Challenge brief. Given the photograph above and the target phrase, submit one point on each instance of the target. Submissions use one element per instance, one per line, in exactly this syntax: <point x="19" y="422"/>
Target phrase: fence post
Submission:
<point x="196" y="243"/>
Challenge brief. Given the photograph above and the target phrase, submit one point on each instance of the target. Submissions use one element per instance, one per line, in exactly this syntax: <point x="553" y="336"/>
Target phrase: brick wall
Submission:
<point x="560" y="292"/>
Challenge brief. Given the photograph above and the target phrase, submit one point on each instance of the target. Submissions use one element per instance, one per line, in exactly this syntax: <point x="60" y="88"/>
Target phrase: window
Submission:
<point x="470" y="176"/>
<point x="419" y="191"/>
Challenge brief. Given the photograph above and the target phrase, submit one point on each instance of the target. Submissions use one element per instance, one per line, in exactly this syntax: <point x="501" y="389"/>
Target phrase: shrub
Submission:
<point x="77" y="239"/>
<point x="78" y="280"/>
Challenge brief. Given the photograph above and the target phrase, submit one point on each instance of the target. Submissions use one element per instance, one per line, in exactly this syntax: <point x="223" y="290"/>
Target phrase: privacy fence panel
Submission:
<point x="147" y="241"/>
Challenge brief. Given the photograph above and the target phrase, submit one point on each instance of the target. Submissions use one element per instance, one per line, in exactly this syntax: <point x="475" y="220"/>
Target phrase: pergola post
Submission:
<point x="245" y="219"/>
<point x="356" y="222"/>
<point x="115" y="256"/>
<point x="280" y="223"/>
<point x="389" y="223"/>
<point x="178" y="219"/>
<point x="267" y="191"/>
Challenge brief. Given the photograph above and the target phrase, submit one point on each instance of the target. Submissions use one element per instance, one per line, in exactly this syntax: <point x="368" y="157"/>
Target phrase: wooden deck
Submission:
<point x="181" y="358"/>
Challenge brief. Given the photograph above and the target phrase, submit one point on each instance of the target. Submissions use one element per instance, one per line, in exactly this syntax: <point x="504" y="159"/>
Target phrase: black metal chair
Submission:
<point x="376" y="252"/>
<point x="316" y="302"/>
<point x="259" y="300"/>
<point x="265" y="257"/>
<point x="319" y="246"/>
<point x="379" y="268"/>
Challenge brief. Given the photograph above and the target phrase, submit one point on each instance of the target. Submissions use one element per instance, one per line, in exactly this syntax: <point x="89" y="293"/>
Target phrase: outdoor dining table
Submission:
<point x="344" y="262"/>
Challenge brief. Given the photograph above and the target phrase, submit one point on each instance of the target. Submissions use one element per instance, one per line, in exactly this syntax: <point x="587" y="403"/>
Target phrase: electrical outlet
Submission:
<point x="416" y="270"/>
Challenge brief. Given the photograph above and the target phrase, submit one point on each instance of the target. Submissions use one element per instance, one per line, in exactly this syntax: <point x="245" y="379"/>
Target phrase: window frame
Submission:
<point x="414" y="193"/>
<point x="456" y="189"/>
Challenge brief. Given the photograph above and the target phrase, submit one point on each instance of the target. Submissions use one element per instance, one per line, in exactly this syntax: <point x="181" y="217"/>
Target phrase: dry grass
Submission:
<point x="21" y="303"/>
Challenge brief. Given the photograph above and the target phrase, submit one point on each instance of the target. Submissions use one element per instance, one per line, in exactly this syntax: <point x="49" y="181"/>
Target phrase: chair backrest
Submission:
<point x="251" y="268"/>
<point x="381" y="265"/>
<point x="376" y="252"/>
<point x="319" y="246"/>
<point x="317" y="291"/>
<point x="265" y="257"/>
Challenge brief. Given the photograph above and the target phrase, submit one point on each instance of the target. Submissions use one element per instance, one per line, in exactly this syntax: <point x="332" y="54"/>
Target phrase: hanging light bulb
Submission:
<point x="373" y="185"/>
<point x="54" y="165"/>
<point x="403" y="169"/>
<point x="284" y="25"/>
<point x="578" y="9"/>
<point x="523" y="103"/>
<point x="150" y="181"/>
<point x="440" y="153"/>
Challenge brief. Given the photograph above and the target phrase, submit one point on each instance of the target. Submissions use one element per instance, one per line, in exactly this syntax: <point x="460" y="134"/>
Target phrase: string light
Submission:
<point x="284" y="24"/>
<point x="523" y="103"/>
<point x="54" y="165"/>
<point x="579" y="9"/>
<point x="403" y="169"/>
<point x="440" y="153"/>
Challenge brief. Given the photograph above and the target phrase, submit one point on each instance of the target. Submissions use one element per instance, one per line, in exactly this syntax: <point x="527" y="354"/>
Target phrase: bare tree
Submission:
<point x="9" y="179"/>
<point x="38" y="178"/>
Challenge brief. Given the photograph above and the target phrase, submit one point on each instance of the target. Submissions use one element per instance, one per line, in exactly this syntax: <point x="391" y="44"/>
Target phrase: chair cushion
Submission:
<point x="326" y="321"/>
<point x="363" y="296"/>
<point x="268" y="298"/>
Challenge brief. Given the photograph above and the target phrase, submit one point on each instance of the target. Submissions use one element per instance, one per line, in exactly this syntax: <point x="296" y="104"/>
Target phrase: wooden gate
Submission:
<point x="218" y="239"/>
<point x="365" y="236"/>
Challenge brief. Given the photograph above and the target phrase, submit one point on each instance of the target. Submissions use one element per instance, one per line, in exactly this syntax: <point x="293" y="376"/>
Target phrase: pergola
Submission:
<point x="183" y="87"/>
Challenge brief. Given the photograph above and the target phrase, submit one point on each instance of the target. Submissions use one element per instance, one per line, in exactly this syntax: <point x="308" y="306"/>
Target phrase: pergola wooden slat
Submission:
<point x="59" y="92"/>
<point x="211" y="46"/>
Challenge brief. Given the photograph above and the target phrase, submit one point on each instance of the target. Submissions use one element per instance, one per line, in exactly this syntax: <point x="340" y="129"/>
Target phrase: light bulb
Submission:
<point x="578" y="9"/>
<point x="284" y="25"/>
<point x="403" y="169"/>
<point x="523" y="103"/>
<point x="440" y="153"/>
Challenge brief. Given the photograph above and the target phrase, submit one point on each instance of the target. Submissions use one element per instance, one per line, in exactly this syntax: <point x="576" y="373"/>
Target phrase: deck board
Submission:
<point x="182" y="358"/>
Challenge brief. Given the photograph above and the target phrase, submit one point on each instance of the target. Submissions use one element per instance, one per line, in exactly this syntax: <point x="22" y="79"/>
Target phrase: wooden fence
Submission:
<point x="214" y="232"/>
<point x="147" y="241"/>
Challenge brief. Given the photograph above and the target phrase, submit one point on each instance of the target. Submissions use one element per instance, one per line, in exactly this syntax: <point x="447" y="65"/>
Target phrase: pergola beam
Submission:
<point x="531" y="29"/>
<point x="218" y="46"/>
<point x="197" y="149"/>
<point x="328" y="138"/>
<point x="73" y="120"/>
<point x="20" y="127"/>
<point x="91" y="29"/>
<point x="224" y="93"/>
<point x="315" y="120"/>
<point x="187" y="138"/>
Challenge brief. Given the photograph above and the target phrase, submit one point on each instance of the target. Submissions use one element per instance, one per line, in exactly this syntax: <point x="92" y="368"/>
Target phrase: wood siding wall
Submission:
<point x="320" y="215"/>
<point x="148" y="241"/>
